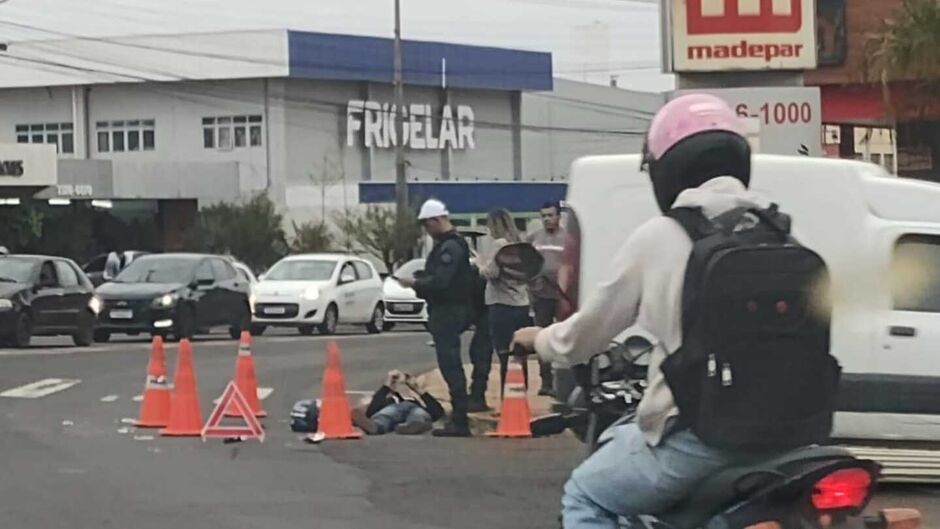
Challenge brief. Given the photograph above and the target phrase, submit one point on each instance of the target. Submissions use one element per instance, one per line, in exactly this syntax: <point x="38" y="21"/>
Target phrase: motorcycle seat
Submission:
<point x="721" y="490"/>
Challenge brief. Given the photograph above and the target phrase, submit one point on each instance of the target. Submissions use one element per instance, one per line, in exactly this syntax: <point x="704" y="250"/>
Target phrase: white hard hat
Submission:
<point x="431" y="209"/>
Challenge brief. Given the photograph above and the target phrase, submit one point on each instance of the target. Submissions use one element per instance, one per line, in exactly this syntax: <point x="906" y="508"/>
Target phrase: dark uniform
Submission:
<point x="446" y="285"/>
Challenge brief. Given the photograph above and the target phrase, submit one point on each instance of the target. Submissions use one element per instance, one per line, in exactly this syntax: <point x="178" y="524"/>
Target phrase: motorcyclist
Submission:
<point x="696" y="156"/>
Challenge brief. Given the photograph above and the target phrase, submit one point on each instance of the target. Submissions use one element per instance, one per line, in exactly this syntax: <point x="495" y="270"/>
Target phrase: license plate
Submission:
<point x="122" y="314"/>
<point x="403" y="307"/>
<point x="275" y="310"/>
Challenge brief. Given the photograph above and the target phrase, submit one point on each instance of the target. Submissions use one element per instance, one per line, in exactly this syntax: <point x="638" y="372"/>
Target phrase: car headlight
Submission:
<point x="311" y="294"/>
<point x="94" y="305"/>
<point x="6" y="304"/>
<point x="165" y="301"/>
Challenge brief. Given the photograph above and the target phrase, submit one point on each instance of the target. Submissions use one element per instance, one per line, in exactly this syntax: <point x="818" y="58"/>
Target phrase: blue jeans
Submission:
<point x="399" y="413"/>
<point x="627" y="477"/>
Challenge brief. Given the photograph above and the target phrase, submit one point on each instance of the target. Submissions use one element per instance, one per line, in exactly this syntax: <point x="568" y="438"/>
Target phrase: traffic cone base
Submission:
<point x="185" y="413"/>
<point x="515" y="415"/>
<point x="245" y="379"/>
<point x="335" y="415"/>
<point x="155" y="407"/>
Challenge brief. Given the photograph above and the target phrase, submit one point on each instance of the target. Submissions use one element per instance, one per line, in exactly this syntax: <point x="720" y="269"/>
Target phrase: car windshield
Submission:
<point x="158" y="270"/>
<point x="302" y="270"/>
<point x="14" y="270"/>
<point x="408" y="269"/>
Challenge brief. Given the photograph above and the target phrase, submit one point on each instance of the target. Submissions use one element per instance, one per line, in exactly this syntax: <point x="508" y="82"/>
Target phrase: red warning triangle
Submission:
<point x="232" y="400"/>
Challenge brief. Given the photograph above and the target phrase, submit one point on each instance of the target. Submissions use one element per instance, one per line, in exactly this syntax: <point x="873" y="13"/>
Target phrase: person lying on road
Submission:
<point x="401" y="405"/>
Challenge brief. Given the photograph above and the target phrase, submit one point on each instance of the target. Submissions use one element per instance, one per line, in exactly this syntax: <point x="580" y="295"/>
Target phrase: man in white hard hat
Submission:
<point x="445" y="285"/>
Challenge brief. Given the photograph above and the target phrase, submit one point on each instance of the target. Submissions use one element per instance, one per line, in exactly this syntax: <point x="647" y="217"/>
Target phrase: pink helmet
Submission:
<point x="688" y="115"/>
<point x="692" y="139"/>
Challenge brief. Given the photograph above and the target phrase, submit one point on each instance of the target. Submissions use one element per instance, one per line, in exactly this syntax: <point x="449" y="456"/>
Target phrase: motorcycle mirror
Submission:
<point x="519" y="259"/>
<point x="636" y="347"/>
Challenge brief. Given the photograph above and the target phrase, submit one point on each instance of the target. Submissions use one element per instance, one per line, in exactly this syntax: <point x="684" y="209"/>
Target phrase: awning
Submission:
<point x="470" y="197"/>
<point x="865" y="105"/>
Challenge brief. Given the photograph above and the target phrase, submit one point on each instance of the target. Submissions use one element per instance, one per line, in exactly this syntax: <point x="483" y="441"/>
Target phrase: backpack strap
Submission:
<point x="693" y="221"/>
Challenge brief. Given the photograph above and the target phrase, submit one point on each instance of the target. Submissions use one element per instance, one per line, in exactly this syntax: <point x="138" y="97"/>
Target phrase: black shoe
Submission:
<point x="413" y="428"/>
<point x="366" y="424"/>
<point x="477" y="405"/>
<point x="546" y="391"/>
<point x="452" y="430"/>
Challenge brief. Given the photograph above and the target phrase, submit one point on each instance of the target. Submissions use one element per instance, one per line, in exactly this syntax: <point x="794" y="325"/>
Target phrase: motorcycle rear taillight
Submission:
<point x="843" y="489"/>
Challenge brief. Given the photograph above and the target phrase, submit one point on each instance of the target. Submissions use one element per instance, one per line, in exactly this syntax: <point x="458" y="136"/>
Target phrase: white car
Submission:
<point x="402" y="305"/>
<point x="319" y="291"/>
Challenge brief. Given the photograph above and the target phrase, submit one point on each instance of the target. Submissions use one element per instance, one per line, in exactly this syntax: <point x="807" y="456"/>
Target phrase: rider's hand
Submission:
<point x="523" y="340"/>
<point x="394" y="377"/>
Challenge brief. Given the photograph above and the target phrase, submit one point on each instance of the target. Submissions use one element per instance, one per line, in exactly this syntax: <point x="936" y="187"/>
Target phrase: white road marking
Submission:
<point x="54" y="351"/>
<point x="125" y="347"/>
<point x="263" y="393"/>
<point x="109" y="398"/>
<point x="40" y="388"/>
<point x="138" y="398"/>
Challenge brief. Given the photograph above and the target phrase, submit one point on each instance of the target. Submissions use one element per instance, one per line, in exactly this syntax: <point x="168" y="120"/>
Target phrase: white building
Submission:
<point x="171" y="123"/>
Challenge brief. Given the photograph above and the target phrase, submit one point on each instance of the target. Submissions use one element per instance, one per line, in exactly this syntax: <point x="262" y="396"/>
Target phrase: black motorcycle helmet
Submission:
<point x="691" y="140"/>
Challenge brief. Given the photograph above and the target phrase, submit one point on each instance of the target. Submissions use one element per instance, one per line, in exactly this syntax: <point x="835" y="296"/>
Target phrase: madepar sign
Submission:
<point x="719" y="35"/>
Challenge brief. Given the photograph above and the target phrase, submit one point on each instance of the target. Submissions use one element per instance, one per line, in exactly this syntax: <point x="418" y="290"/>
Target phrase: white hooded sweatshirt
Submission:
<point x="644" y="287"/>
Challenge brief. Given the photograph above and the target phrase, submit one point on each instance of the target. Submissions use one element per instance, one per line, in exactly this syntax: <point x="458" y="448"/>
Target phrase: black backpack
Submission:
<point x="754" y="370"/>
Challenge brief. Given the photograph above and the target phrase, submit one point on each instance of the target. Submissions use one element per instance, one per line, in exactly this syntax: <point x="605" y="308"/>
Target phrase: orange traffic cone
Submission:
<point x="245" y="379"/>
<point x="185" y="414"/>
<point x="335" y="418"/>
<point x="515" y="414"/>
<point x="155" y="409"/>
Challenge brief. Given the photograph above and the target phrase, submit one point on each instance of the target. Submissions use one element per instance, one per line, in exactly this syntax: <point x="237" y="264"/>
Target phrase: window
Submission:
<point x="59" y="134"/>
<point x="47" y="275"/>
<point x="223" y="271"/>
<point x="67" y="275"/>
<point x="915" y="274"/>
<point x="363" y="270"/>
<point x="130" y="135"/>
<point x="232" y="132"/>
<point x="204" y="272"/>
<point x="347" y="274"/>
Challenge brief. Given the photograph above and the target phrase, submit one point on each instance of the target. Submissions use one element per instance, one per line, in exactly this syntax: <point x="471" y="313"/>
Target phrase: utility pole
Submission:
<point x="401" y="182"/>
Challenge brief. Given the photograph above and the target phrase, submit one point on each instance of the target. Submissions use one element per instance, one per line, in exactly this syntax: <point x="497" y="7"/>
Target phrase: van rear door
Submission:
<point x="905" y="370"/>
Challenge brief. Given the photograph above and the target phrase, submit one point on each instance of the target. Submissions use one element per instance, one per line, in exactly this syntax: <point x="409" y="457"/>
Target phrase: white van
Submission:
<point x="880" y="237"/>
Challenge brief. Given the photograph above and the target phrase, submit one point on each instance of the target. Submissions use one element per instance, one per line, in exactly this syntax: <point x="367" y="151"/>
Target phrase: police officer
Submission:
<point x="445" y="285"/>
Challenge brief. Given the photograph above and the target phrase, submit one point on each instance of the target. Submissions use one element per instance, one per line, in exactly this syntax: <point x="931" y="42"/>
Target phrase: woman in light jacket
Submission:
<point x="507" y="298"/>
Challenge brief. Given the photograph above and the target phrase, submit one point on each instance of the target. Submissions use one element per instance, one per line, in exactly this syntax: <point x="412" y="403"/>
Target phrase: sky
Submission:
<point x="591" y="40"/>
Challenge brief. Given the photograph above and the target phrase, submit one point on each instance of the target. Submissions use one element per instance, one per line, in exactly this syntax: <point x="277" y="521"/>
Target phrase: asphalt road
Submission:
<point x="68" y="458"/>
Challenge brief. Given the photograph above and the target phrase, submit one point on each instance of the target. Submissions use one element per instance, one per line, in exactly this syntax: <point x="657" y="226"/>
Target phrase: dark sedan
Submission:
<point x="45" y="296"/>
<point x="174" y="294"/>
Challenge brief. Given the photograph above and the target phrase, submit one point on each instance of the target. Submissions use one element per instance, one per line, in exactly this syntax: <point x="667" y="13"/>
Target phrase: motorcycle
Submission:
<point x="813" y="487"/>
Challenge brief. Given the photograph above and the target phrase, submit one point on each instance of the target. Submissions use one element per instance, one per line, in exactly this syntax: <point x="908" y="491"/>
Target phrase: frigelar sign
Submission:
<point x="720" y="35"/>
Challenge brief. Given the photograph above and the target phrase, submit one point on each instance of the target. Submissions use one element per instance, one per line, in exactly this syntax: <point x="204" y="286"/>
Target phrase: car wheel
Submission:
<point x="258" y="330"/>
<point x="243" y="324"/>
<point x="330" y="319"/>
<point x="23" y="330"/>
<point x="185" y="325"/>
<point x="85" y="334"/>
<point x="102" y="336"/>
<point x="387" y="326"/>
<point x="306" y="330"/>
<point x="377" y="323"/>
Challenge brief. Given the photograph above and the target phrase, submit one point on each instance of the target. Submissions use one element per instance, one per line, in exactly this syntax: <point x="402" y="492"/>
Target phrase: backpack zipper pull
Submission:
<point x="712" y="366"/>
<point x="726" y="375"/>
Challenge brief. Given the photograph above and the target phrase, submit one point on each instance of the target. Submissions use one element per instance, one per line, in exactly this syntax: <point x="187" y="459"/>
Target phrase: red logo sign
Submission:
<point x="710" y="17"/>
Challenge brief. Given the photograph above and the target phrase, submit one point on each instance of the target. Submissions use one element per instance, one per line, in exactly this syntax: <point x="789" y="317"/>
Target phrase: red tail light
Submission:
<point x="842" y="489"/>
